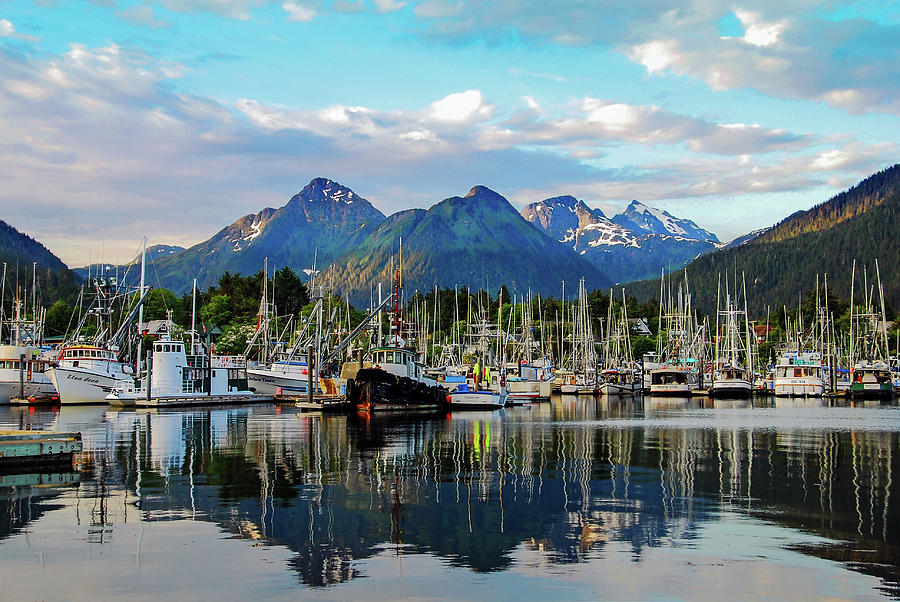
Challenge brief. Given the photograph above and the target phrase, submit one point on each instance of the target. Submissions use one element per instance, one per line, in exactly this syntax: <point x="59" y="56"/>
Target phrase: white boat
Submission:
<point x="528" y="384"/>
<point x="684" y="344"/>
<point x="290" y="377"/>
<point x="465" y="398"/>
<point x="22" y="369"/>
<point x="177" y="378"/>
<point x="23" y="379"/>
<point x="799" y="374"/>
<point x="618" y="376"/>
<point x="731" y="381"/>
<point x="673" y="381"/>
<point x="732" y="375"/>
<point x="88" y="373"/>
<point x="616" y="382"/>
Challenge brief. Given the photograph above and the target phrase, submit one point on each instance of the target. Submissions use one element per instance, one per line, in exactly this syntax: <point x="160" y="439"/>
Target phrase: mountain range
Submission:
<point x="481" y="241"/>
<point x="478" y="240"/>
<point x="782" y="263"/>
<point x="634" y="244"/>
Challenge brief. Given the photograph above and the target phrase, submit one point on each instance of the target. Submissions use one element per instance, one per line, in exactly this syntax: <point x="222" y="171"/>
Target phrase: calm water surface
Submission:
<point x="573" y="499"/>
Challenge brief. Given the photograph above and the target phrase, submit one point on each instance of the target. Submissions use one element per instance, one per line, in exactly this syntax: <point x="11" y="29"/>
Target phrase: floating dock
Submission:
<point x="32" y="449"/>
<point x="199" y="400"/>
<point x="36" y="400"/>
<point x="321" y="403"/>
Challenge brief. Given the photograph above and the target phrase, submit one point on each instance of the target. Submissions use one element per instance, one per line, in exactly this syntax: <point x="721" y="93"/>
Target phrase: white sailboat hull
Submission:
<point x="613" y="389"/>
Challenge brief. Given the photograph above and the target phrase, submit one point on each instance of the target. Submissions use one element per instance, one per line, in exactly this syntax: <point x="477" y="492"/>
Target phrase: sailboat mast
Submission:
<point x="137" y="359"/>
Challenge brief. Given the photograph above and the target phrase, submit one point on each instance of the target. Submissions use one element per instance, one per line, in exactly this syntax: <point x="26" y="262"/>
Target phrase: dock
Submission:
<point x="36" y="400"/>
<point x="37" y="449"/>
<point x="320" y="402"/>
<point x="200" y="400"/>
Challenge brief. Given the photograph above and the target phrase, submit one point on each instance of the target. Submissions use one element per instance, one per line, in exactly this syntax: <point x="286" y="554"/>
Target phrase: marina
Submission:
<point x="630" y="498"/>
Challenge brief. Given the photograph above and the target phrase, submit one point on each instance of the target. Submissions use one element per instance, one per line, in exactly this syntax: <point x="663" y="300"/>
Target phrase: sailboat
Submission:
<point x="732" y="372"/>
<point x="582" y="380"/>
<point x="618" y="375"/>
<point x="679" y="373"/>
<point x="870" y="374"/>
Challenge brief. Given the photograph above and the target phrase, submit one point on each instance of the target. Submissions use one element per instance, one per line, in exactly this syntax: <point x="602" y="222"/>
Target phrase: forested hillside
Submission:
<point x="861" y="223"/>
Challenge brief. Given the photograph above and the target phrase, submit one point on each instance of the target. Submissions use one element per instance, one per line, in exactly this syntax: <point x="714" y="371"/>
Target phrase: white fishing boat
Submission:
<point x="679" y="373"/>
<point x="178" y="378"/>
<point x="617" y="382"/>
<point x="22" y="373"/>
<point x="287" y="376"/>
<point x="22" y="368"/>
<point x="799" y="374"/>
<point x="88" y="373"/>
<point x="673" y="381"/>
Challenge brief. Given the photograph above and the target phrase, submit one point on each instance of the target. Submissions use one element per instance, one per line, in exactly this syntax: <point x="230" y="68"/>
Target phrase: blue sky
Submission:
<point x="173" y="118"/>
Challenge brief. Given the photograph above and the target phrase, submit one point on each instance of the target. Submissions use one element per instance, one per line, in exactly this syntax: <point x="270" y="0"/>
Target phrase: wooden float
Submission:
<point x="26" y="449"/>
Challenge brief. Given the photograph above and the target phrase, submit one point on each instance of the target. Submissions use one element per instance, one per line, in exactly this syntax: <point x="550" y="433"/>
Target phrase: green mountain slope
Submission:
<point x="861" y="223"/>
<point x="20" y="251"/>
<point x="479" y="241"/>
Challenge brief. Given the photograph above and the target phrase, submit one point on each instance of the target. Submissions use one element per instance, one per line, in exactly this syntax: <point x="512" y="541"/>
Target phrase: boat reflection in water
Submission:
<point x="742" y="489"/>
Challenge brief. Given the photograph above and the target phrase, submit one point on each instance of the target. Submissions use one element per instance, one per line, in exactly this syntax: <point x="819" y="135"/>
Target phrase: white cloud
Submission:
<point x="460" y="107"/>
<point x="8" y="30"/>
<point x="388" y="6"/>
<point x="756" y="32"/>
<point x="102" y="133"/>
<point x="298" y="12"/>
<point x="656" y="55"/>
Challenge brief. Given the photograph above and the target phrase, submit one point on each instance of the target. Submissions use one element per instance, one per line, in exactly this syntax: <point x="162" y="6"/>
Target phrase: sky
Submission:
<point x="171" y="119"/>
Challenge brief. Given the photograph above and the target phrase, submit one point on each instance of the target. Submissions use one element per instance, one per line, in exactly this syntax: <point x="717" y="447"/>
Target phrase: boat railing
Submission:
<point x="229" y="361"/>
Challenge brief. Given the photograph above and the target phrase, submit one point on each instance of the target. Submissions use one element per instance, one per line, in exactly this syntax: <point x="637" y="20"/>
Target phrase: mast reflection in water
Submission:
<point x="533" y="491"/>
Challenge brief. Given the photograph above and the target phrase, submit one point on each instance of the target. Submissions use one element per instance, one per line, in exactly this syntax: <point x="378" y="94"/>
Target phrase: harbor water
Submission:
<point x="574" y="499"/>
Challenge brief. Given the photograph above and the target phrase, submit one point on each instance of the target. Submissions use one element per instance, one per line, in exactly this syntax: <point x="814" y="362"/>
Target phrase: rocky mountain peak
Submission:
<point x="483" y="193"/>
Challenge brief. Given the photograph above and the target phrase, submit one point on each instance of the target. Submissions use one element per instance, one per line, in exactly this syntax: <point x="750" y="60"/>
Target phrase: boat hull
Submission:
<point x="871" y="390"/>
<point x="76" y="386"/>
<point x="376" y="390"/>
<point x="9" y="390"/>
<point x="267" y="382"/>
<point x="731" y="388"/>
<point x="671" y="390"/>
<point x="617" y="389"/>
<point x="796" y="387"/>
<point x="477" y="400"/>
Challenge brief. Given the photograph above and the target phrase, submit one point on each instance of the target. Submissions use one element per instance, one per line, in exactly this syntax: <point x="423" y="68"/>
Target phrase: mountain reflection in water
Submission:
<point x="562" y="480"/>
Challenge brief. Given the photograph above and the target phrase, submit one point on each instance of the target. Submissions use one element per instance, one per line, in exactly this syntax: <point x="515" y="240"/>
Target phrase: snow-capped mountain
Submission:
<point x="631" y="245"/>
<point x="640" y="218"/>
